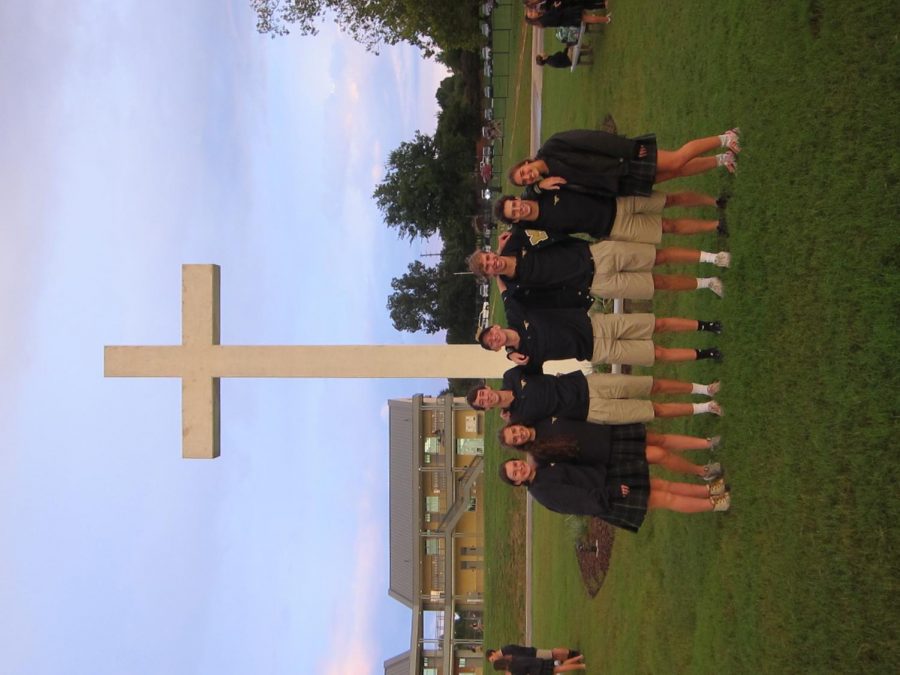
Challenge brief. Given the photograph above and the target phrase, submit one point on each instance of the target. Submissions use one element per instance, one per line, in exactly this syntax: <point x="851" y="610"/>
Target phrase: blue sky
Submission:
<point x="139" y="136"/>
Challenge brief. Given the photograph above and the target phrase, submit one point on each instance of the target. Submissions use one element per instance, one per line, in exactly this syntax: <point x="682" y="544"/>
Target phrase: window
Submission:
<point x="469" y="446"/>
<point x="471" y="423"/>
<point x="473" y="504"/>
<point x="432" y="546"/>
<point x="433" y="504"/>
<point x="432" y="445"/>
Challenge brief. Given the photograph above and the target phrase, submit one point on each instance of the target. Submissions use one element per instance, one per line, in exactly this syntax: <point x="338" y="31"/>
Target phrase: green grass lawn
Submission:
<point x="802" y="575"/>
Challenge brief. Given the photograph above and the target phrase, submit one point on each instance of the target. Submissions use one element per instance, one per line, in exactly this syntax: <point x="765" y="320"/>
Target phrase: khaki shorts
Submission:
<point x="623" y="338"/>
<point x="639" y="219"/>
<point x="623" y="270"/>
<point x="620" y="411"/>
<point x="615" y="399"/>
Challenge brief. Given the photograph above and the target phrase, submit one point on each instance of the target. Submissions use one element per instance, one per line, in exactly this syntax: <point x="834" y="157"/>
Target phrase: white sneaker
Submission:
<point x="728" y="160"/>
<point x="716" y="409"/>
<point x="714" y="388"/>
<point x="717" y="287"/>
<point x="721" y="502"/>
<point x="733" y="139"/>
<point x="723" y="259"/>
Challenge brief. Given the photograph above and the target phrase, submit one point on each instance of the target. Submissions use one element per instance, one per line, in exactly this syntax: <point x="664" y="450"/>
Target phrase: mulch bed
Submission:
<point x="595" y="564"/>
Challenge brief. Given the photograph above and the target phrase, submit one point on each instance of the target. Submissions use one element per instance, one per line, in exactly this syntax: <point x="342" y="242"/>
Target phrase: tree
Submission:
<point x="424" y="191"/>
<point x="414" y="300"/>
<point x="432" y="299"/>
<point x="426" y="24"/>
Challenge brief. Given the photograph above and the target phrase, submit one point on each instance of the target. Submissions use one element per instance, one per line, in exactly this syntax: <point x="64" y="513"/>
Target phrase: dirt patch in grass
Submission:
<point x="594" y="552"/>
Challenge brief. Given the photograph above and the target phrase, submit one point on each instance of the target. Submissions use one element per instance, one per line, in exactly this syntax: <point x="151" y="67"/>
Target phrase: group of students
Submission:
<point x="523" y="660"/>
<point x="555" y="13"/>
<point x="567" y="16"/>
<point x="585" y="446"/>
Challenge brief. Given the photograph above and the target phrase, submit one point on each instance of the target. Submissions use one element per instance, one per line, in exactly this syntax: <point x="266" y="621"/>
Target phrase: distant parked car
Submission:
<point x="491" y="131"/>
<point x="484" y="318"/>
<point x="488" y="114"/>
<point x="486" y="29"/>
<point x="486" y="53"/>
<point x="489" y="92"/>
<point x="484" y="289"/>
<point x="487" y="152"/>
<point x="486" y="171"/>
<point x="487" y="69"/>
<point x="486" y="8"/>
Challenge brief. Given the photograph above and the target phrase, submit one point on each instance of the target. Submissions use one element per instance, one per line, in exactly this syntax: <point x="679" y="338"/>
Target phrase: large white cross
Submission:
<point x="200" y="361"/>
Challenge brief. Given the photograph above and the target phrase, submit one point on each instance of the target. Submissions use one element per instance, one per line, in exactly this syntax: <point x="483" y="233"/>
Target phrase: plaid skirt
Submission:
<point x="641" y="172"/>
<point x="628" y="466"/>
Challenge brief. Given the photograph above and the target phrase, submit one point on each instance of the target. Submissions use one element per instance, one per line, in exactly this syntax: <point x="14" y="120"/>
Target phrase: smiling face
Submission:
<point x="515" y="435"/>
<point x="526" y="174"/>
<point x="490" y="264"/>
<point x="517" y="209"/>
<point x="487" y="398"/>
<point x="494" y="338"/>
<point x="517" y="470"/>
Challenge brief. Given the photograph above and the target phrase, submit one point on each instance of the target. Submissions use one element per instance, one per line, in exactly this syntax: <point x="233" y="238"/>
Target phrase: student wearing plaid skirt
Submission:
<point x="601" y="162"/>
<point x="613" y="484"/>
<point x="556" y="439"/>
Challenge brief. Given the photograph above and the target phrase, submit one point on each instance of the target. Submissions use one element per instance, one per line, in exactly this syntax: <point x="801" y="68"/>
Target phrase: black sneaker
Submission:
<point x="710" y="353"/>
<point x="722" y="201"/>
<point x="722" y="227"/>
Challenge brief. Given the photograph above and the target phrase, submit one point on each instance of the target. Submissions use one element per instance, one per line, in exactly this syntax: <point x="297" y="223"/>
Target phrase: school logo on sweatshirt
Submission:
<point x="535" y="237"/>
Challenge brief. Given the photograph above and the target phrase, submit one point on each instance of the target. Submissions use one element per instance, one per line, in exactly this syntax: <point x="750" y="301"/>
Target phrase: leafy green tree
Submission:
<point x="427" y="24"/>
<point x="414" y="299"/>
<point x="423" y="191"/>
<point x="432" y="299"/>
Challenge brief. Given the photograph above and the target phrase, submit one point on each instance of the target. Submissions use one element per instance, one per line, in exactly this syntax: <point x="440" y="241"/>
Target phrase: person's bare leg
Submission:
<point x="675" y="324"/>
<point x="674" y="354"/>
<point x="674" y="160"/>
<point x="663" y="499"/>
<point x="674" y="282"/>
<point x="663" y="386"/>
<point x="676" y="255"/>
<point x="684" y="226"/>
<point x="594" y="18"/>
<point x="677" y="442"/>
<point x="673" y="409"/>
<point x="688" y="198"/>
<point x="688" y="489"/>
<point x="694" y="167"/>
<point x="672" y="462"/>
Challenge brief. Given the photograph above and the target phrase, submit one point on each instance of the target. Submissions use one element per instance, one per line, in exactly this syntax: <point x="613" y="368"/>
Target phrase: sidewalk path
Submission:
<point x="537" y="85"/>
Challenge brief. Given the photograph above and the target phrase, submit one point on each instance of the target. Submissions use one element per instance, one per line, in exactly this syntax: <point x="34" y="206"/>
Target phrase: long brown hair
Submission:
<point x="555" y="449"/>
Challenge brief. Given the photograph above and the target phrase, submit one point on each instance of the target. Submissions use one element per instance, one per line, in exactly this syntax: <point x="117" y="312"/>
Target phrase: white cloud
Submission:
<point x="353" y="636"/>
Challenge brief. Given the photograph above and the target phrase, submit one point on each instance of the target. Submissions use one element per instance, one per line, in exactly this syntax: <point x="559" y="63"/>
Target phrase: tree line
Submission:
<point x="429" y="187"/>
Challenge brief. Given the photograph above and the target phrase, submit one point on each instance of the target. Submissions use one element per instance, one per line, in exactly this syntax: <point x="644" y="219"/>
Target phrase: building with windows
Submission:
<point x="437" y="533"/>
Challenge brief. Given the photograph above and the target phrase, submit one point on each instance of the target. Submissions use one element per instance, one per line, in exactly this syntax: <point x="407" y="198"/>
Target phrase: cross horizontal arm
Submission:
<point x="344" y="361"/>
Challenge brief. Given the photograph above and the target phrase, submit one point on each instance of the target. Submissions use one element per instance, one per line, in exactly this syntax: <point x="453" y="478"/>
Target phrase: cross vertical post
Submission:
<point x="200" y="360"/>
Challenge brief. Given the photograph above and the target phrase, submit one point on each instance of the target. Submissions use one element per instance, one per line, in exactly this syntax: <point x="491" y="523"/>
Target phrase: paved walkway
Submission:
<point x="537" y="85"/>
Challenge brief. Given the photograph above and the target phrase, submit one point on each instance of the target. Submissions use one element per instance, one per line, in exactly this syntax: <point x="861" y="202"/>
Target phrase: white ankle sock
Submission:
<point x="700" y="408"/>
<point x="703" y="282"/>
<point x="720" y="159"/>
<point x="702" y="389"/>
<point x="707" y="257"/>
